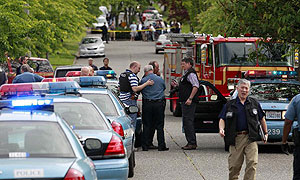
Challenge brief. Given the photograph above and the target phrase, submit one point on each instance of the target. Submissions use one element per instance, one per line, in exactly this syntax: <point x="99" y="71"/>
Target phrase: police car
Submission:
<point x="87" y="121"/>
<point x="274" y="90"/>
<point x="33" y="142"/>
<point x="94" y="89"/>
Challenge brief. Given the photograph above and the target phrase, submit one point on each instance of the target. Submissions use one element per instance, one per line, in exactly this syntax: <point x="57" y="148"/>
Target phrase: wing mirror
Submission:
<point x="132" y="109"/>
<point x="92" y="148"/>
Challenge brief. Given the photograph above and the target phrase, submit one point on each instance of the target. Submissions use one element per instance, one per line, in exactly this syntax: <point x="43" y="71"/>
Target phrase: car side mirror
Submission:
<point x="92" y="148"/>
<point x="132" y="109"/>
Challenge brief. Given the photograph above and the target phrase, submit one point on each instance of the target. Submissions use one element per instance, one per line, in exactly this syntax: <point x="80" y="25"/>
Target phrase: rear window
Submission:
<point x="33" y="139"/>
<point x="63" y="72"/>
<point x="104" y="102"/>
<point x="40" y="66"/>
<point x="82" y="116"/>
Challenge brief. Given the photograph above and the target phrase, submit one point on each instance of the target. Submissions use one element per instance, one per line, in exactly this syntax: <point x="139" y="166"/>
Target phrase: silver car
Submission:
<point x="161" y="43"/>
<point x="91" y="46"/>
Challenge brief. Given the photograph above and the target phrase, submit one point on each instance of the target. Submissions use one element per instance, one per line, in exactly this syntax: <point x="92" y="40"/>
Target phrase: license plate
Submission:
<point x="273" y="114"/>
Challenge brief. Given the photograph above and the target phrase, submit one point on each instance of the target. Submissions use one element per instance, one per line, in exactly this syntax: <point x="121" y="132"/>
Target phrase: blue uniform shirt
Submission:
<point x="293" y="112"/>
<point x="27" y="77"/>
<point x="156" y="91"/>
<point x="242" y="124"/>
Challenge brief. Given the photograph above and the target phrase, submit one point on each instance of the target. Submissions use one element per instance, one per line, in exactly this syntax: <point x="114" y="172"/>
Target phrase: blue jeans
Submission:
<point x="131" y="102"/>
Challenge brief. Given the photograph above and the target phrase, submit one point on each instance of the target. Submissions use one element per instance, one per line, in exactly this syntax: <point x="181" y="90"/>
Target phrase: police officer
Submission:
<point x="27" y="76"/>
<point x="153" y="109"/>
<point x="188" y="96"/>
<point x="292" y="114"/>
<point x="129" y="86"/>
<point x="240" y="118"/>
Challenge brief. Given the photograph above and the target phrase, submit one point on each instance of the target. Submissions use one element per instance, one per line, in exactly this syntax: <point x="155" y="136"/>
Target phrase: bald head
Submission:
<point x="85" y="71"/>
<point x="135" y="67"/>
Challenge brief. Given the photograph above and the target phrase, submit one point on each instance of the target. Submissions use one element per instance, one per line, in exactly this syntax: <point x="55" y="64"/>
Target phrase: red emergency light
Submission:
<point x="252" y="74"/>
<point x="73" y="73"/>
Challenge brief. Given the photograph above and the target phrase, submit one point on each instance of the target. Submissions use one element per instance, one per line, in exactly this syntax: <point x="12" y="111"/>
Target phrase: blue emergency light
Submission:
<point x="26" y="89"/>
<point x="109" y="74"/>
<point x="271" y="74"/>
<point x="31" y="102"/>
<point x="92" y="81"/>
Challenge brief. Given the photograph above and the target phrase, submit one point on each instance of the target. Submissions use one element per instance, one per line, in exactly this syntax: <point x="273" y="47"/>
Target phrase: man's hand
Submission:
<point x="188" y="102"/>
<point x="222" y="132"/>
<point x="174" y="83"/>
<point x="285" y="148"/>
<point x="266" y="138"/>
<point x="150" y="82"/>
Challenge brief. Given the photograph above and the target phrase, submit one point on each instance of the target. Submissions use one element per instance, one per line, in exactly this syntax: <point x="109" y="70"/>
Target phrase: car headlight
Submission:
<point x="282" y="114"/>
<point x="81" y="47"/>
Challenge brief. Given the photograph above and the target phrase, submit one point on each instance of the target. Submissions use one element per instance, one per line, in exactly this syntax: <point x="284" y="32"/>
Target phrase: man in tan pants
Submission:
<point x="238" y="125"/>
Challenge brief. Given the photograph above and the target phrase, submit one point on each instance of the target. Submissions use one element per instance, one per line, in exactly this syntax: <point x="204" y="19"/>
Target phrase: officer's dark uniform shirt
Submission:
<point x="94" y="67"/>
<point x="105" y="68"/>
<point x="27" y="77"/>
<point x="242" y="124"/>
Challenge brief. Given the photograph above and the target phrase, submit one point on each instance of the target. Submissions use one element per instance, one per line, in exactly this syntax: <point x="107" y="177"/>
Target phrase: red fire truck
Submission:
<point x="223" y="61"/>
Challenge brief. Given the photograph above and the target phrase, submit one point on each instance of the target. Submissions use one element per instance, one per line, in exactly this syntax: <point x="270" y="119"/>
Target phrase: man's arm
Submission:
<point x="142" y="86"/>
<point x="189" y="100"/>
<point x="221" y="127"/>
<point x="286" y="130"/>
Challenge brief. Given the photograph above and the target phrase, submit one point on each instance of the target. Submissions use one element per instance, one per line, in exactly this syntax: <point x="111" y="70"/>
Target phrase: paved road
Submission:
<point x="209" y="161"/>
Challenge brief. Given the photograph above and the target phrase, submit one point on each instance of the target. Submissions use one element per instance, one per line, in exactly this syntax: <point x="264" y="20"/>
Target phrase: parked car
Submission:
<point x="91" y="46"/>
<point x="161" y="43"/>
<point x="41" y="66"/>
<point x="34" y="142"/>
<point x="61" y="71"/>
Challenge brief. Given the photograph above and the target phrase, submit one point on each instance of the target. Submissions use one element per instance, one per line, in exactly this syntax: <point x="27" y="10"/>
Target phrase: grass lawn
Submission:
<point x="66" y="57"/>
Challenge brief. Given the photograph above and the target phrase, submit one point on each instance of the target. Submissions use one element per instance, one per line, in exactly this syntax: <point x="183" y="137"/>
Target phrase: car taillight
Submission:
<point x="117" y="127"/>
<point x="158" y="43"/>
<point x="74" y="174"/>
<point x="115" y="148"/>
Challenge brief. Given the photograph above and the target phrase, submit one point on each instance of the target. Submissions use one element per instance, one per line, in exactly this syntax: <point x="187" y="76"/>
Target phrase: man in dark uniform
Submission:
<point x="104" y="33"/>
<point x="239" y="122"/>
<point x="92" y="65"/>
<point x="188" y="88"/>
<point x="105" y="65"/>
<point x="153" y="109"/>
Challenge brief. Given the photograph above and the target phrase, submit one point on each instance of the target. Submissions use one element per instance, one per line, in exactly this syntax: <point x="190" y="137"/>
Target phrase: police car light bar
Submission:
<point x="271" y="74"/>
<point x="28" y="103"/>
<point x="24" y="89"/>
<point x="106" y="73"/>
<point x="82" y="81"/>
<point x="31" y="102"/>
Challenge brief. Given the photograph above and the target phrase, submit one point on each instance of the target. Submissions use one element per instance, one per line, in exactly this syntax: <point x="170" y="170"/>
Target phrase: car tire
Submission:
<point x="131" y="161"/>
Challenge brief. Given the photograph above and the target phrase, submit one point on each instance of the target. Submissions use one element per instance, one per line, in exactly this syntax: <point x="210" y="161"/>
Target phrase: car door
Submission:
<point x="210" y="104"/>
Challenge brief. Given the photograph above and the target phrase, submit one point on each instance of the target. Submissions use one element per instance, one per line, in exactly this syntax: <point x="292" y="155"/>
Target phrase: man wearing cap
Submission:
<point x="92" y="65"/>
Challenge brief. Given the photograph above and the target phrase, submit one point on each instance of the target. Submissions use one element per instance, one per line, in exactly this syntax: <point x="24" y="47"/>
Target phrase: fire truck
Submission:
<point x="222" y="61"/>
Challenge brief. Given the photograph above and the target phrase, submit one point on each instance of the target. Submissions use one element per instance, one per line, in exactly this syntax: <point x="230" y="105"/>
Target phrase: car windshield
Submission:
<point x="90" y="40"/>
<point x="33" y="139"/>
<point x="104" y="102"/>
<point x="235" y="53"/>
<point x="82" y="116"/>
<point x="40" y="66"/>
<point x="274" y="91"/>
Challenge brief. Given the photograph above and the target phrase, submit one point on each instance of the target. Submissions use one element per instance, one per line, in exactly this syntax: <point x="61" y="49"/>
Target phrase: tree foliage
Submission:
<point x="39" y="26"/>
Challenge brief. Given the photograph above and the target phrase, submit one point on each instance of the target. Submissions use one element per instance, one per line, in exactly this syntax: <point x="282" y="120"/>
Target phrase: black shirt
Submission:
<point x="94" y="67"/>
<point x="105" y="68"/>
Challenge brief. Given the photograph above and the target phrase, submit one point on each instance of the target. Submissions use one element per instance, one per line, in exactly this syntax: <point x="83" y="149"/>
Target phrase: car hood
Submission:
<point x="103" y="135"/>
<point x="274" y="105"/>
<point x="35" y="167"/>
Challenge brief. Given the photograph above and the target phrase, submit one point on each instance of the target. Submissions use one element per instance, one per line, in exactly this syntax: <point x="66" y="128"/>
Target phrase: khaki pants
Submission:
<point x="243" y="147"/>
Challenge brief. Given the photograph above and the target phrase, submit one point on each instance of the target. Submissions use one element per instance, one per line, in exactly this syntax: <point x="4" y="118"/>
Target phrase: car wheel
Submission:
<point x="131" y="164"/>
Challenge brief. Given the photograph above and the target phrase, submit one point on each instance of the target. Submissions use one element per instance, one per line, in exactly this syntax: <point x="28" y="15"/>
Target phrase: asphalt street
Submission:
<point x="209" y="161"/>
